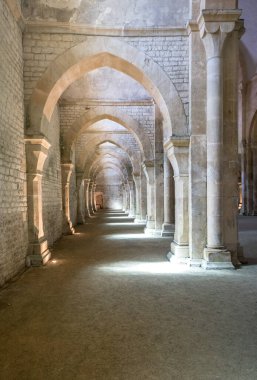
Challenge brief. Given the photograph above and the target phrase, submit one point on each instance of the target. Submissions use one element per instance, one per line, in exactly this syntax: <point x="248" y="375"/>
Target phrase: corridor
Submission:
<point x="108" y="306"/>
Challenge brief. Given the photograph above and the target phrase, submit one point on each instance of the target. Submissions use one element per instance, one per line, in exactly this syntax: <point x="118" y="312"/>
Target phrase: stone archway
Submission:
<point x="98" y="52"/>
<point x="101" y="113"/>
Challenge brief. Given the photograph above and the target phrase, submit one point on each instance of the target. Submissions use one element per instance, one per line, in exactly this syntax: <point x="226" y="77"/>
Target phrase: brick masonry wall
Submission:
<point x="51" y="184"/>
<point x="144" y="115"/>
<point x="13" y="198"/>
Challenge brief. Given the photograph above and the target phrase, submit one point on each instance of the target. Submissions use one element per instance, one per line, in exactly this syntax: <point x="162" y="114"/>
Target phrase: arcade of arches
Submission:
<point x="145" y="122"/>
<point x="149" y="112"/>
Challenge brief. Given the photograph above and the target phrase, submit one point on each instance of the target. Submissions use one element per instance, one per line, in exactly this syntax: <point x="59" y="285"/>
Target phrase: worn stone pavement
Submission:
<point x="109" y="306"/>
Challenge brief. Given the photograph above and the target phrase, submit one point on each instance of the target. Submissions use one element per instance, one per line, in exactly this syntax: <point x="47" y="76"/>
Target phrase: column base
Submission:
<point x="67" y="228"/>
<point x="39" y="255"/>
<point x="176" y="260"/>
<point x="167" y="230"/>
<point x="194" y="263"/>
<point x="151" y="232"/>
<point x="181" y="252"/>
<point x="139" y="221"/>
<point x="240" y="255"/>
<point x="217" y="258"/>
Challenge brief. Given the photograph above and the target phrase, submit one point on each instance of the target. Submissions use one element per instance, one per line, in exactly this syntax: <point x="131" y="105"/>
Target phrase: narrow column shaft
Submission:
<point x="214" y="153"/>
<point x="168" y="192"/>
<point x="254" y="156"/>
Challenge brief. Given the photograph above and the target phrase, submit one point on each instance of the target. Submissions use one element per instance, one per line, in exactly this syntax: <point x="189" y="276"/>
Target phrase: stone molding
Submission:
<point x="62" y="27"/>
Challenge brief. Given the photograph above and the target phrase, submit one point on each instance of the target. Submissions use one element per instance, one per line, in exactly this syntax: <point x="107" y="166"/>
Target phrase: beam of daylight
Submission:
<point x="128" y="224"/>
<point x="152" y="268"/>
<point x="127" y="236"/>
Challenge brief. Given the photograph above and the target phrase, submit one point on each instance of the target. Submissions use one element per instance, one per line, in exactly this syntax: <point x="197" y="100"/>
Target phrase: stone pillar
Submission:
<point x="177" y="151"/>
<point x="137" y="181"/>
<point x="254" y="155"/>
<point x="244" y="177"/>
<point x="127" y="191"/>
<point x="148" y="167"/>
<point x="36" y="153"/>
<point x="131" y="199"/>
<point x="94" y="197"/>
<point x="159" y="194"/>
<point x="87" y="200"/>
<point x="91" y="197"/>
<point x="168" y="226"/>
<point x="80" y="198"/>
<point x="143" y="198"/>
<point x="214" y="27"/>
<point x="66" y="174"/>
<point x="230" y="166"/>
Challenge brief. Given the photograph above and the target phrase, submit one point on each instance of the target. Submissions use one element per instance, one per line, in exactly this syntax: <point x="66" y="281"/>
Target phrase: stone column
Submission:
<point x="254" y="155"/>
<point x="168" y="226"/>
<point x="143" y="198"/>
<point x="249" y="180"/>
<point x="80" y="198"/>
<point x="244" y="177"/>
<point x="177" y="149"/>
<point x="94" y="198"/>
<point x="127" y="190"/>
<point x="87" y="200"/>
<point x="148" y="167"/>
<point x="66" y="174"/>
<point x="131" y="199"/>
<point x="137" y="181"/>
<point x="214" y="27"/>
<point x="91" y="197"/>
<point x="36" y="153"/>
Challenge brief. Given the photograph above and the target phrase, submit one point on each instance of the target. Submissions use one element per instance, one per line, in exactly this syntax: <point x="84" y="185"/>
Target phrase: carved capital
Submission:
<point x="214" y="26"/>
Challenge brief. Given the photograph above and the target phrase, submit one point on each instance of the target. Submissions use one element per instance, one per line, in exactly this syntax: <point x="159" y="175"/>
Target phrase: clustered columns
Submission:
<point x="214" y="28"/>
<point x="177" y="150"/>
<point x="67" y="169"/>
<point x="36" y="154"/>
<point x="169" y="217"/>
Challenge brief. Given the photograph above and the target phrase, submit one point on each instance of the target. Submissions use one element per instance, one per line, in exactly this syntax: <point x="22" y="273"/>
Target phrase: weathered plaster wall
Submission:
<point x="111" y="13"/>
<point x="51" y="184"/>
<point x="13" y="198"/>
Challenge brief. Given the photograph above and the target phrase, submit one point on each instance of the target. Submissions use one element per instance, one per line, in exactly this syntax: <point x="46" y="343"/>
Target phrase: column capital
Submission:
<point x="214" y="26"/>
<point x="37" y="147"/>
<point x="177" y="150"/>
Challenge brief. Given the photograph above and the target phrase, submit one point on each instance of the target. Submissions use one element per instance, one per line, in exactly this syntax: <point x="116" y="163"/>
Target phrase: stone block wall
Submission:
<point x="51" y="184"/>
<point x="172" y="55"/>
<point x="143" y="114"/>
<point x="13" y="198"/>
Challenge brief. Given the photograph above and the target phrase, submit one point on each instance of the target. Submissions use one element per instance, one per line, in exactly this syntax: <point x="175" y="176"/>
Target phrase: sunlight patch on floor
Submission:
<point x="135" y="267"/>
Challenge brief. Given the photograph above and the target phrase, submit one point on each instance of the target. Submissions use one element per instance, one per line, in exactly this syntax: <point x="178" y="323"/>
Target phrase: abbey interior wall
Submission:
<point x="13" y="199"/>
<point x="51" y="184"/>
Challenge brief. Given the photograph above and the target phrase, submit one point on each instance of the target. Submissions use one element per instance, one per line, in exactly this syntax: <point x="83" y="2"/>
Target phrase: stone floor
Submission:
<point x="109" y="306"/>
